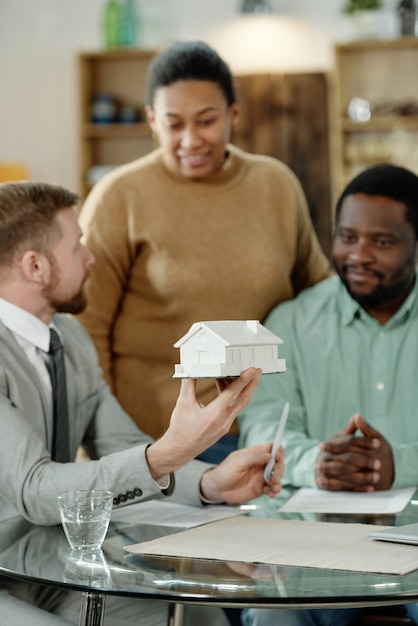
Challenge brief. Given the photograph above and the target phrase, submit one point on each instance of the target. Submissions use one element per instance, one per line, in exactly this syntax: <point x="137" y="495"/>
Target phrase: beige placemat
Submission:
<point x="325" y="545"/>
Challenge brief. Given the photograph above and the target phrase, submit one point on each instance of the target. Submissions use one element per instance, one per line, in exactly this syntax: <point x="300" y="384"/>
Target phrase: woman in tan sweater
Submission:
<point x="197" y="230"/>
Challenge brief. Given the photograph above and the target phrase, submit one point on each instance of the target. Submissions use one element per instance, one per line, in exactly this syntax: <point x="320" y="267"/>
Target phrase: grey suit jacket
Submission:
<point x="30" y="480"/>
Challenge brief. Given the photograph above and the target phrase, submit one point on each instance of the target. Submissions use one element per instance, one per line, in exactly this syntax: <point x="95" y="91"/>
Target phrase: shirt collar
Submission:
<point x="25" y="325"/>
<point x="350" y="308"/>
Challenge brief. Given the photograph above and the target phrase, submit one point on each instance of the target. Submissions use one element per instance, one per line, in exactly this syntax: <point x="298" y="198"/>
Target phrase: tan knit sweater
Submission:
<point x="171" y="251"/>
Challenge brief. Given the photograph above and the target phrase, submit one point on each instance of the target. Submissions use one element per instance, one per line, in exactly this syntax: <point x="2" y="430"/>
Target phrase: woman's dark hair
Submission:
<point x="192" y="60"/>
<point x="388" y="180"/>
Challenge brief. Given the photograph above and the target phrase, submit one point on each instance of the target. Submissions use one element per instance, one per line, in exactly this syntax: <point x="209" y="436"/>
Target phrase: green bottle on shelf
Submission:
<point x="130" y="27"/>
<point x="113" y="24"/>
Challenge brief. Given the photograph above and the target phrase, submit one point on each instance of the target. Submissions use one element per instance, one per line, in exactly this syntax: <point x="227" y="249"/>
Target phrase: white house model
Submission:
<point x="225" y="348"/>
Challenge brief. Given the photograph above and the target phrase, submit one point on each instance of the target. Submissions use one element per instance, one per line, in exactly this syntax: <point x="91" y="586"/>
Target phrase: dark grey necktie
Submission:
<point x="56" y="367"/>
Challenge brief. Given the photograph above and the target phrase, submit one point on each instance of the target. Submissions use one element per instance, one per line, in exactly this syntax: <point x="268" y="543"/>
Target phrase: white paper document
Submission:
<point x="163" y="513"/>
<point x="321" y="501"/>
<point x="323" y="545"/>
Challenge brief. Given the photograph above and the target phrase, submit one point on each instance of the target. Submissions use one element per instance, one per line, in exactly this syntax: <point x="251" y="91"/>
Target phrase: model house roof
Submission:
<point x="233" y="333"/>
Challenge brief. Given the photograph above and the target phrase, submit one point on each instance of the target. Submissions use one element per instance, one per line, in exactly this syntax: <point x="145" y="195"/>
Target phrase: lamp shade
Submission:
<point x="271" y="43"/>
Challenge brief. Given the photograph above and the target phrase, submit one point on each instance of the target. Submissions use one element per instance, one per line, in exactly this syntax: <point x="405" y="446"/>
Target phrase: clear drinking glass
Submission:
<point x="85" y="517"/>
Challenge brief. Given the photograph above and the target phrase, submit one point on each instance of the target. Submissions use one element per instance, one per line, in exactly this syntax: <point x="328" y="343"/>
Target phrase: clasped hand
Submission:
<point x="355" y="462"/>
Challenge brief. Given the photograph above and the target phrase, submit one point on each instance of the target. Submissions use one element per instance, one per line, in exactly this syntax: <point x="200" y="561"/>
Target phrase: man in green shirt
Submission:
<point x="351" y="349"/>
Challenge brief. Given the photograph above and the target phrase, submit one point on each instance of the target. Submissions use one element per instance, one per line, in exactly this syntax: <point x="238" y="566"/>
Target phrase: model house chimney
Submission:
<point x="253" y="325"/>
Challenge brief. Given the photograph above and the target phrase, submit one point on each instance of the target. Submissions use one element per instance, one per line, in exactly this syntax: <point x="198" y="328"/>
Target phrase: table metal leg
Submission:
<point x="176" y="615"/>
<point x="92" y="609"/>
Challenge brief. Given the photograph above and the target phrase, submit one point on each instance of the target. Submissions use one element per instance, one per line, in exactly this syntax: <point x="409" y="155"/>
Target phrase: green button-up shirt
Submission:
<point x="340" y="361"/>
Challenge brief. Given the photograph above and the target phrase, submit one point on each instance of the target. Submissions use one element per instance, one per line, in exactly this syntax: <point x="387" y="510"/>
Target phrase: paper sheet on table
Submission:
<point x="321" y="501"/>
<point x="164" y="513"/>
<point x="325" y="545"/>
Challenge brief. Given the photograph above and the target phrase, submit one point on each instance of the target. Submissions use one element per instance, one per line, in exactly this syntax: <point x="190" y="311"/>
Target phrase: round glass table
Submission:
<point x="41" y="555"/>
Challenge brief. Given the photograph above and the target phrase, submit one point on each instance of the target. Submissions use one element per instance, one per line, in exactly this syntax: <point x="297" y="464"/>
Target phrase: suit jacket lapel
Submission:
<point x="16" y="353"/>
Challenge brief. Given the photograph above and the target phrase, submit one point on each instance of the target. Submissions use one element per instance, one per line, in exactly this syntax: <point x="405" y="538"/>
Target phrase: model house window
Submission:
<point x="237" y="355"/>
<point x="203" y="357"/>
<point x="268" y="354"/>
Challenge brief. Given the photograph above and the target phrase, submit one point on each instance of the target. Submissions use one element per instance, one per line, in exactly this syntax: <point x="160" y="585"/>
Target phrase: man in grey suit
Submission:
<point x="43" y="267"/>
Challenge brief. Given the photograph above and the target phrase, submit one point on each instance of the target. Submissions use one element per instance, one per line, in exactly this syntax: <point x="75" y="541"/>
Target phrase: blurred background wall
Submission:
<point x="40" y="41"/>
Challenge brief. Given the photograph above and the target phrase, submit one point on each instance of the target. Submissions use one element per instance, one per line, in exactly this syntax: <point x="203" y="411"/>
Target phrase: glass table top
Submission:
<point x="41" y="555"/>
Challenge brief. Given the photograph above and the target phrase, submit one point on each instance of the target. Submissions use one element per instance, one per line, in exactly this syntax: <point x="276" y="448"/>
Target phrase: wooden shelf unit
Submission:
<point x="382" y="72"/>
<point x="121" y="73"/>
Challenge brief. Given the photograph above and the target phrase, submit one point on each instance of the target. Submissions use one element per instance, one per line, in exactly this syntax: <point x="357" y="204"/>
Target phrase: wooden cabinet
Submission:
<point x="122" y="75"/>
<point x="287" y="116"/>
<point x="376" y="106"/>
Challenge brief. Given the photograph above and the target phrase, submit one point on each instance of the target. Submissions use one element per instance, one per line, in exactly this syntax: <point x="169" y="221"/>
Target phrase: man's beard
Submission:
<point x="381" y="294"/>
<point x="74" y="305"/>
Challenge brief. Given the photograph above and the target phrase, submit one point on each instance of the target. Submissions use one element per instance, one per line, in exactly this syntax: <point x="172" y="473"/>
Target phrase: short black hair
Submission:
<point x="391" y="181"/>
<point x="192" y="60"/>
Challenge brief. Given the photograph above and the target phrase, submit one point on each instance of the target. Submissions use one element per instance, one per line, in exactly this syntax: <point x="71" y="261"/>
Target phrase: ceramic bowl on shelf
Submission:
<point x="104" y="108"/>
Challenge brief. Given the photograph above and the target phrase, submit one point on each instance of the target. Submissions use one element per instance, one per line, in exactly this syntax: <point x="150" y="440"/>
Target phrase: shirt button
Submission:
<point x="382" y="334"/>
<point x="380" y="386"/>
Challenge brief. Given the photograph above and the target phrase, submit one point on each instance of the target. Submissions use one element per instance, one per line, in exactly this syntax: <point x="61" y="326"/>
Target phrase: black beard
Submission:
<point x="381" y="295"/>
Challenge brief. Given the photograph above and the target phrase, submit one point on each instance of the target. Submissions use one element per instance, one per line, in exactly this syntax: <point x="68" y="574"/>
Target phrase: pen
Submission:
<point x="279" y="582"/>
<point x="277" y="442"/>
